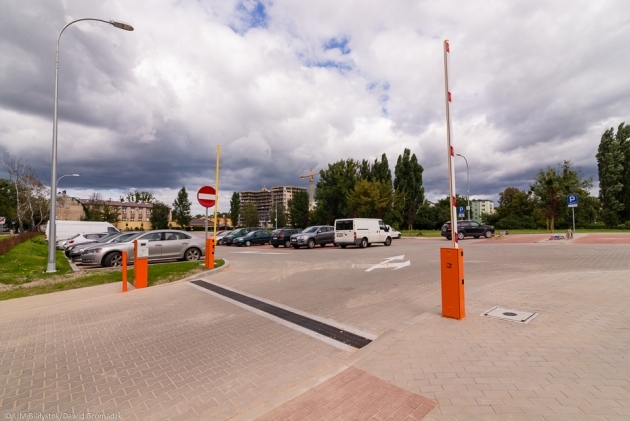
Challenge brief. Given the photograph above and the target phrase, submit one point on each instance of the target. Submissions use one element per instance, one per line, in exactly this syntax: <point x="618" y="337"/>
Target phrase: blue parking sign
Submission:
<point x="460" y="210"/>
<point x="572" y="200"/>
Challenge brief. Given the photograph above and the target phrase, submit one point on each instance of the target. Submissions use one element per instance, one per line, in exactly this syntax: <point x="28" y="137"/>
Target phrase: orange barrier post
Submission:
<point x="209" y="253"/>
<point x="140" y="264"/>
<point x="124" y="271"/>
<point x="452" y="273"/>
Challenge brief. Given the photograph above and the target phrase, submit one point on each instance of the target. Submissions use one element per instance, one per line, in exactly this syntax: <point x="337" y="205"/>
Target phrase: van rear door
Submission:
<point x="344" y="231"/>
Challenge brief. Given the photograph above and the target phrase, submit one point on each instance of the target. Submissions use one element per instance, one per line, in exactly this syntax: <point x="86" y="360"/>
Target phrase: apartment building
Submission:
<point x="133" y="216"/>
<point x="480" y="206"/>
<point x="266" y="199"/>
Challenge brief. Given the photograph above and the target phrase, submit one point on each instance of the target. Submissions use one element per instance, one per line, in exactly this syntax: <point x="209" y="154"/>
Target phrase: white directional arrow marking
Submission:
<point x="386" y="264"/>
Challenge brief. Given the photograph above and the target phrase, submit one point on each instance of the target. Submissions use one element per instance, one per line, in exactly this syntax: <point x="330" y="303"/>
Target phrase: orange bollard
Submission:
<point x="452" y="272"/>
<point x="209" y="253"/>
<point x="124" y="271"/>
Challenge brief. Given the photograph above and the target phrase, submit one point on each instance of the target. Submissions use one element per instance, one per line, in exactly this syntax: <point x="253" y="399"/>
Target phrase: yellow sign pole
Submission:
<point x="216" y="187"/>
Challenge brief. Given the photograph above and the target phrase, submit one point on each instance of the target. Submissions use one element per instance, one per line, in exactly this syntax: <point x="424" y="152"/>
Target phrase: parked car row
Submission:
<point x="362" y="232"/>
<point x="161" y="244"/>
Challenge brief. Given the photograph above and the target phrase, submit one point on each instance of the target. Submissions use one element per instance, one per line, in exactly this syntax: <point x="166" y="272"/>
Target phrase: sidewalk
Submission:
<point x="571" y="362"/>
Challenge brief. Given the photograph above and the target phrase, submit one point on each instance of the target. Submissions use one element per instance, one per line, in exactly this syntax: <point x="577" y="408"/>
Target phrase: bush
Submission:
<point x="9" y="243"/>
<point x="516" y="223"/>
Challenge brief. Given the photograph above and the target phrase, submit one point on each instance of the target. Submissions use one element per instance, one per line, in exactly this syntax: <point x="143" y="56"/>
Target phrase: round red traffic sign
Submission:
<point x="207" y="196"/>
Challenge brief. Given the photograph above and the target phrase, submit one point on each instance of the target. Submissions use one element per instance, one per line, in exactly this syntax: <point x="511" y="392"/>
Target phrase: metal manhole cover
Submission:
<point x="517" y="316"/>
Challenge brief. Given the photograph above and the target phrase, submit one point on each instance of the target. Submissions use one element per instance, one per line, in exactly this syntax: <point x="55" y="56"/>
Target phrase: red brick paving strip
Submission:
<point x="611" y="238"/>
<point x="353" y="395"/>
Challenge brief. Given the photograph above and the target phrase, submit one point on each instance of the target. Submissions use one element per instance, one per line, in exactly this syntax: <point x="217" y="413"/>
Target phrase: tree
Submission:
<point x="7" y="200"/>
<point x="298" y="210"/>
<point x="551" y="187"/>
<point x="138" y="197"/>
<point x="18" y="170"/>
<point x="181" y="208"/>
<point x="250" y="215"/>
<point x="159" y="216"/>
<point x="332" y="190"/>
<point x="370" y="199"/>
<point x="280" y="214"/>
<point x="110" y="213"/>
<point x="235" y="208"/>
<point x="613" y="167"/>
<point x="408" y="185"/>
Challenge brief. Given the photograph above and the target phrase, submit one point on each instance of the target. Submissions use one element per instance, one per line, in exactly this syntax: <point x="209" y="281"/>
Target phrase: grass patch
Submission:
<point x="26" y="262"/>
<point x="22" y="272"/>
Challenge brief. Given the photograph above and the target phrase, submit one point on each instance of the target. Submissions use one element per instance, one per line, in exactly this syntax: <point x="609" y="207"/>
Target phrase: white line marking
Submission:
<point x="387" y="265"/>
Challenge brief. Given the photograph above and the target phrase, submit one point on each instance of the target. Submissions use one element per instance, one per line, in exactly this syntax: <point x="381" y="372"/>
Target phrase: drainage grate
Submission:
<point x="511" y="315"/>
<point x="327" y="330"/>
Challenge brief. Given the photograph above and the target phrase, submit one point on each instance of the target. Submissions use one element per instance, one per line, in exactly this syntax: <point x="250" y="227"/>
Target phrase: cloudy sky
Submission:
<point x="287" y="85"/>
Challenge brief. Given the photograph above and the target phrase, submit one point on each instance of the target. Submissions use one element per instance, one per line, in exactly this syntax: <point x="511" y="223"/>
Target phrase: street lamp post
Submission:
<point x="468" y="187"/>
<point x="52" y="232"/>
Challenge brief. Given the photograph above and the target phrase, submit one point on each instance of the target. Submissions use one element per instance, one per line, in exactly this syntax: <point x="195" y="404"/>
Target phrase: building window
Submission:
<point x="124" y="218"/>
<point x="132" y="219"/>
<point x="124" y="210"/>
<point x="148" y="211"/>
<point x="132" y="210"/>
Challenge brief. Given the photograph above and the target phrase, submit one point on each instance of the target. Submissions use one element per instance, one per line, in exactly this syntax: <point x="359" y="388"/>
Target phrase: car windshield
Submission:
<point x="74" y="236"/>
<point x="127" y="237"/>
<point x="310" y="229"/>
<point x="107" y="237"/>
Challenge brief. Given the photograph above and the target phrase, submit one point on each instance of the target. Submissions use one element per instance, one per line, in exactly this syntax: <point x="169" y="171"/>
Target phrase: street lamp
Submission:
<point x="52" y="263"/>
<point x="467" y="176"/>
<point x="67" y="175"/>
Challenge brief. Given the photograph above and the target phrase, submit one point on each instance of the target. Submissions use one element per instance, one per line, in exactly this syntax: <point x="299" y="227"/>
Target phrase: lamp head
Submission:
<point x="121" y="25"/>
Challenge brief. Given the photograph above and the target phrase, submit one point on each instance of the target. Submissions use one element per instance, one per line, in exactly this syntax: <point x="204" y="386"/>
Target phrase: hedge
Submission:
<point x="8" y="243"/>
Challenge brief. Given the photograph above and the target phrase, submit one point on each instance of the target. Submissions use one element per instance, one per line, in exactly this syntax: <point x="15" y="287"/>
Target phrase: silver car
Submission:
<point x="162" y="244"/>
<point x="74" y="252"/>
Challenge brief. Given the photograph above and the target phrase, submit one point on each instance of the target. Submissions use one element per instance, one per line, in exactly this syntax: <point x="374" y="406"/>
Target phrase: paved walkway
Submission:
<point x="94" y="350"/>
<point x="571" y="362"/>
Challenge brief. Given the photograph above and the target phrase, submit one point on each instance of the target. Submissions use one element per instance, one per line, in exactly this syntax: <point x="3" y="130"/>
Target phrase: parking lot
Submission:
<point x="178" y="351"/>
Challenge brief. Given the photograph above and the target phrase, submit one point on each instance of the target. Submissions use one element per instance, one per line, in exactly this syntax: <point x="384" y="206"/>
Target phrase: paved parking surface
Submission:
<point x="175" y="352"/>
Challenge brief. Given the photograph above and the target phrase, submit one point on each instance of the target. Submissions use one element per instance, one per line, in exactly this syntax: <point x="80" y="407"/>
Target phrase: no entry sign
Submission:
<point x="207" y="196"/>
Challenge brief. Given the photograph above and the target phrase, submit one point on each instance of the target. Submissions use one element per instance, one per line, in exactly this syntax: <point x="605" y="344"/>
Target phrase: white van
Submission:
<point x="66" y="229"/>
<point x="361" y="232"/>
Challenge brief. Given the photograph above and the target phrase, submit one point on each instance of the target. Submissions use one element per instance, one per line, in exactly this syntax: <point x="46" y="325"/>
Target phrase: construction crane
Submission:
<point x="311" y="175"/>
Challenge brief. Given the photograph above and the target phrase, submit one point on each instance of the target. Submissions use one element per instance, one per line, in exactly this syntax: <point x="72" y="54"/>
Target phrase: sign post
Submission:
<point x="572" y="202"/>
<point x="207" y="198"/>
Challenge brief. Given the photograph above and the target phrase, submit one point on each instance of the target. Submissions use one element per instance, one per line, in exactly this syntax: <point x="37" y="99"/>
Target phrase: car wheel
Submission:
<point x="460" y="235"/>
<point x="113" y="260"/>
<point x="343" y="246"/>
<point x="276" y="246"/>
<point x="311" y="243"/>
<point x="219" y="242"/>
<point x="488" y="234"/>
<point x="192" y="255"/>
<point x="287" y="244"/>
<point x="248" y="243"/>
<point x="364" y="243"/>
<point x="388" y="241"/>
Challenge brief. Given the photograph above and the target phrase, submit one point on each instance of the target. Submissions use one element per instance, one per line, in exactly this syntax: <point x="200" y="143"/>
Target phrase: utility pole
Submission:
<point x="311" y="175"/>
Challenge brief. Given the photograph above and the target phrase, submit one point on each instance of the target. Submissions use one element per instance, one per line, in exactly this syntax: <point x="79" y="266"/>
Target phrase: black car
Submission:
<point x="254" y="237"/>
<point x="467" y="228"/>
<point x="282" y="237"/>
<point x="228" y="240"/>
